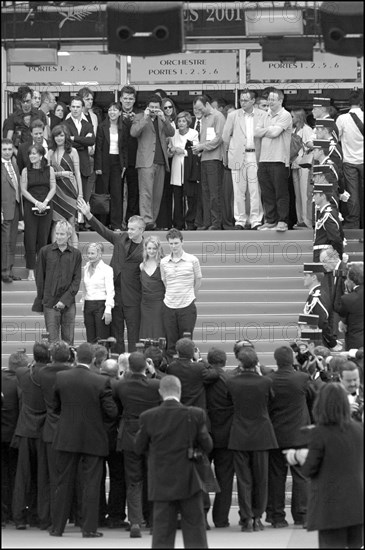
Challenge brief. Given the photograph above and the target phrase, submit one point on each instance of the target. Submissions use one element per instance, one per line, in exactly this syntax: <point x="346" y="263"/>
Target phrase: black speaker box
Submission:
<point x="338" y="20"/>
<point x="145" y="28"/>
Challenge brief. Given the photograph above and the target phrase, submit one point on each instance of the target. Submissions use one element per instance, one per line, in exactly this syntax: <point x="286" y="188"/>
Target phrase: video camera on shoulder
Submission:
<point x="158" y="343"/>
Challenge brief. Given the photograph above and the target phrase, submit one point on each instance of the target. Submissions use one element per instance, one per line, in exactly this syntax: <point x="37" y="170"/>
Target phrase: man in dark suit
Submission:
<point x="10" y="210"/>
<point x="127" y="255"/>
<point x="173" y="483"/>
<point x="220" y="414"/>
<point x="115" y="509"/>
<point x="81" y="398"/>
<point x="136" y="393"/>
<point x="351" y="308"/>
<point x="333" y="284"/>
<point x="289" y="412"/>
<point x="127" y="101"/>
<point x="31" y="489"/>
<point x="194" y="375"/>
<point x="82" y="136"/>
<point x="9" y="418"/>
<point x="60" y="355"/>
<point x="251" y="437"/>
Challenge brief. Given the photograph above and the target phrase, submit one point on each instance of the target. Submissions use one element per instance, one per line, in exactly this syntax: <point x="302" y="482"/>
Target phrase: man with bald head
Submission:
<point x="166" y="432"/>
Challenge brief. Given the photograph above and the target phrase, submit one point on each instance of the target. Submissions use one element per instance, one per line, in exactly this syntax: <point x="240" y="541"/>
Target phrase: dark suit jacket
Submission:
<point x="335" y="467"/>
<point x="193" y="376"/>
<point x="220" y="410"/>
<point x="122" y="263"/>
<point x="8" y="196"/>
<point x="81" y="143"/>
<point x="112" y="424"/>
<point x="251" y="429"/>
<point x="137" y="394"/>
<point x="47" y="379"/>
<point x="352" y="313"/>
<point x="289" y="407"/>
<point x="82" y="399"/>
<point x="132" y="142"/>
<point x="32" y="413"/>
<point x="10" y="405"/>
<point x="102" y="144"/>
<point x="164" y="434"/>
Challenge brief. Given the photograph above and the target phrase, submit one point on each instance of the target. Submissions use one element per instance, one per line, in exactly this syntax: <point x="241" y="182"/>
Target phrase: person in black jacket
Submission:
<point x="351" y="308"/>
<point x="9" y="417"/>
<point x="289" y="412"/>
<point x="127" y="255"/>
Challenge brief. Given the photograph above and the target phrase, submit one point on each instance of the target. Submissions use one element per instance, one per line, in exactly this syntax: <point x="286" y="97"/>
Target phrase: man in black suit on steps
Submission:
<point x="81" y="399"/>
<point x="173" y="483"/>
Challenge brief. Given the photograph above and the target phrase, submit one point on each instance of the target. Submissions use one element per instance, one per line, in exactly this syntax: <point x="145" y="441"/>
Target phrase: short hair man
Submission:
<point x="350" y="380"/>
<point x="173" y="483"/>
<point x="127" y="100"/>
<point x="243" y="157"/>
<point x="262" y="104"/>
<point x="58" y="278"/>
<point x="275" y="129"/>
<point x="351" y="308"/>
<point x="352" y="140"/>
<point x="15" y="127"/>
<point x="36" y="137"/>
<point x="152" y="129"/>
<point x="82" y="399"/>
<point x="11" y="206"/>
<point x="211" y="149"/>
<point x="181" y="275"/>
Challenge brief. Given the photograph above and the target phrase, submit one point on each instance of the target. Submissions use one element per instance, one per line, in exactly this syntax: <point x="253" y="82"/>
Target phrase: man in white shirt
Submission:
<point x="181" y="275"/>
<point x="352" y="140"/>
<point x="243" y="156"/>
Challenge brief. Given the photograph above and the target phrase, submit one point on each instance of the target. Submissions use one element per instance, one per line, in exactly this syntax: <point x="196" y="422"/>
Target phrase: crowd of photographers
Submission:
<point x="239" y="403"/>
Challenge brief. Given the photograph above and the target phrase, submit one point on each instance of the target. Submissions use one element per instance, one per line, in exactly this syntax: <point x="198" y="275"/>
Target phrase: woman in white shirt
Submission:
<point x="179" y="145"/>
<point x="97" y="294"/>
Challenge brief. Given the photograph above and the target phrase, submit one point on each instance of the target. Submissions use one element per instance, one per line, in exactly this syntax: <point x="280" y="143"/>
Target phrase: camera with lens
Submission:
<point x="196" y="455"/>
<point x="302" y="355"/>
<point x="158" y="343"/>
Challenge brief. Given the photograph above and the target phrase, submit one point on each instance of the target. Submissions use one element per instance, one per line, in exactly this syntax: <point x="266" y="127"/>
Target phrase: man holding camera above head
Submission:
<point x="169" y="434"/>
<point x="58" y="278"/>
<point x="136" y="393"/>
<point x="350" y="380"/>
<point x="152" y="129"/>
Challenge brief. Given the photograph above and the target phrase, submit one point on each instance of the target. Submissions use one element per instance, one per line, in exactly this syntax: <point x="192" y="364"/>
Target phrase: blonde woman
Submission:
<point x="97" y="294"/>
<point x="153" y="290"/>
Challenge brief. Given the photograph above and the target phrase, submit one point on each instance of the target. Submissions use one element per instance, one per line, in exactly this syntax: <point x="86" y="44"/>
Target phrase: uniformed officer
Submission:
<point x="328" y="228"/>
<point x="318" y="303"/>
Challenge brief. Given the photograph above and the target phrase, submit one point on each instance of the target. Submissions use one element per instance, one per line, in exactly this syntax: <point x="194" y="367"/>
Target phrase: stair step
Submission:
<point x="215" y="295"/>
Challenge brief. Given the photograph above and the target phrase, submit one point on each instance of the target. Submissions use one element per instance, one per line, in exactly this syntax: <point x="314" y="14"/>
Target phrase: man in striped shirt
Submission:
<point x="181" y="275"/>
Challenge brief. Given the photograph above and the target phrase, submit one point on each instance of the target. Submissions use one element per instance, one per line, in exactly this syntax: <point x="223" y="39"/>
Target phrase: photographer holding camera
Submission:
<point x="350" y="380"/>
<point x="351" y="308"/>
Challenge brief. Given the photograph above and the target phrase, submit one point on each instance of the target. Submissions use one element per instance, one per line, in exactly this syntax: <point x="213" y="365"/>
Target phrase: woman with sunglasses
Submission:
<point x="164" y="218"/>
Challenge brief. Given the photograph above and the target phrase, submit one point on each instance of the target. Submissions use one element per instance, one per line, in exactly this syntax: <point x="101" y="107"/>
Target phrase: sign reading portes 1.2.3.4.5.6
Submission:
<point x="192" y="67"/>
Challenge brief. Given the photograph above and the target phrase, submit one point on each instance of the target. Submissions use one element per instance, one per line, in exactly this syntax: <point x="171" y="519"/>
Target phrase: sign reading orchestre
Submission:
<point x="192" y="67"/>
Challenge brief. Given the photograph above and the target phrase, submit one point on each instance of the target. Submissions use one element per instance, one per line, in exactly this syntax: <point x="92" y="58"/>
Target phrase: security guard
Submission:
<point x="328" y="228"/>
<point x="318" y="303"/>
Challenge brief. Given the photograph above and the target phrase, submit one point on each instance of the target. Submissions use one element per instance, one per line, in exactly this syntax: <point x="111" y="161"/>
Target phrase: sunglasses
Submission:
<point x="168" y="107"/>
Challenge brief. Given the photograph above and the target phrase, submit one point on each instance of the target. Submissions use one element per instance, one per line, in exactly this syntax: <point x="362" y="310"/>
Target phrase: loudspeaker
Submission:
<point x="339" y="19"/>
<point x="145" y="28"/>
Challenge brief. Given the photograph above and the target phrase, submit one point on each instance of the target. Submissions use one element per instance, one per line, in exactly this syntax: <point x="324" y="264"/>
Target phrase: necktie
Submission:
<point x="14" y="179"/>
<point x="197" y="128"/>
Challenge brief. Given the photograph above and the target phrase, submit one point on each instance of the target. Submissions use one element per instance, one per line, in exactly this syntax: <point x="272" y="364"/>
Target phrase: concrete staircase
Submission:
<point x="252" y="288"/>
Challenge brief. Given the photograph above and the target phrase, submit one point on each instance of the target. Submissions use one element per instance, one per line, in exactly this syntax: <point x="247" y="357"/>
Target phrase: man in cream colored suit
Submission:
<point x="243" y="155"/>
<point x="10" y="209"/>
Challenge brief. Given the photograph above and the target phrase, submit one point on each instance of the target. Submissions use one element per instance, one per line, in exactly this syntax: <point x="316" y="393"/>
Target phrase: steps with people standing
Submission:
<point x="252" y="288"/>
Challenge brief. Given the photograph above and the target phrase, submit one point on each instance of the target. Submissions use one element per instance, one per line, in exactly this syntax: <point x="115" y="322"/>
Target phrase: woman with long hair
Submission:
<point x="58" y="114"/>
<point x="65" y="161"/>
<point x="164" y="218"/>
<point x="110" y="159"/>
<point x="303" y="196"/>
<point x="153" y="289"/>
<point x="334" y="465"/>
<point x="184" y="138"/>
<point x="97" y="294"/>
<point x="38" y="186"/>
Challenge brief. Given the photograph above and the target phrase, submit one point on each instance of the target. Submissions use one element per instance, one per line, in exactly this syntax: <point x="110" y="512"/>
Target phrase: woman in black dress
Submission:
<point x="153" y="290"/>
